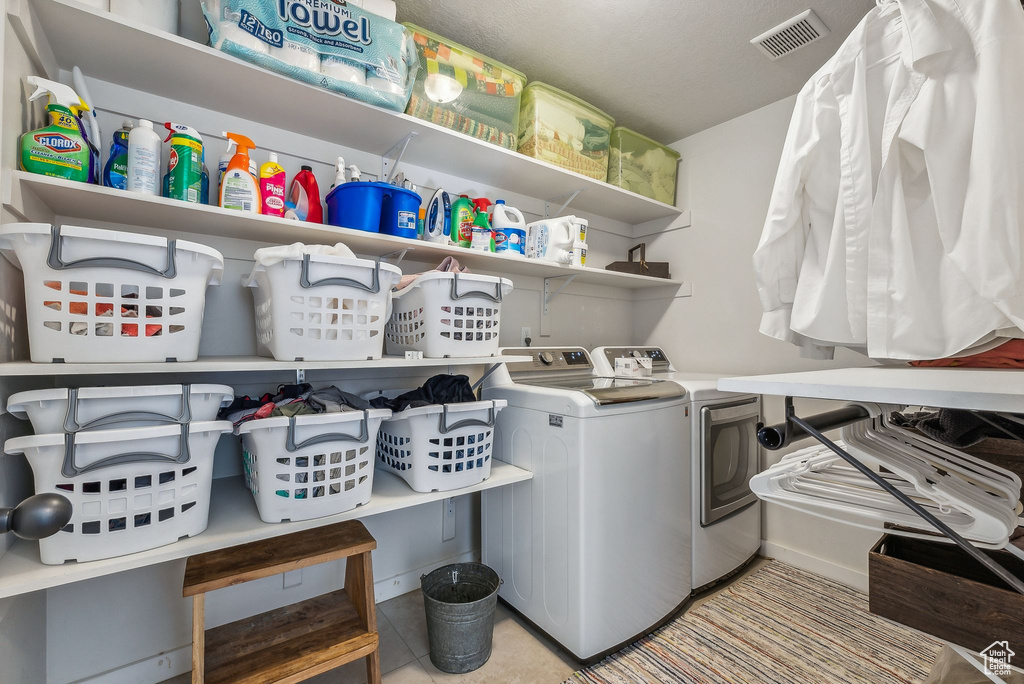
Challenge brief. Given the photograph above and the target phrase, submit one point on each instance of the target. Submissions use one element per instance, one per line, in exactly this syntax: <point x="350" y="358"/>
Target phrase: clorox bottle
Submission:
<point x="239" y="189"/>
<point x="59" y="149"/>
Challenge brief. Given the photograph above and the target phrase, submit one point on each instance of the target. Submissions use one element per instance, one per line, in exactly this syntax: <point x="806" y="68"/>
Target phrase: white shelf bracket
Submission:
<point x="487" y="373"/>
<point x="397" y="255"/>
<point x="387" y="166"/>
<point x="558" y="212"/>
<point x="300" y="376"/>
<point x="548" y="296"/>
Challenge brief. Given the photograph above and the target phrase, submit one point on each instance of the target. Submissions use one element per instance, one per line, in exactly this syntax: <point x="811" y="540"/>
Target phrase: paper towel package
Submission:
<point x="335" y="45"/>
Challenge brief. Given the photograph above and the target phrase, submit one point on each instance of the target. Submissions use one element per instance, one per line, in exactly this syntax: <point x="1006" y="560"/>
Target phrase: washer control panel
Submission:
<point x="655" y="354"/>
<point x="551" y="359"/>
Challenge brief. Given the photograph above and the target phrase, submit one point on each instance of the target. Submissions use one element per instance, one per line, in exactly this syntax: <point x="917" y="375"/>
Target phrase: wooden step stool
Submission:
<point x="301" y="640"/>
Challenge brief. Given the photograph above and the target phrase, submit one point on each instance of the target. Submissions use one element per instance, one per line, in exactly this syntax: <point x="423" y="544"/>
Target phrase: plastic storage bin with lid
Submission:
<point x="464" y="90"/>
<point x="641" y="165"/>
<point x="563" y="130"/>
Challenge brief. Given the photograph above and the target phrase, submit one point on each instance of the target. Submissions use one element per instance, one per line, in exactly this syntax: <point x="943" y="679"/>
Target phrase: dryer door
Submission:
<point x="728" y="458"/>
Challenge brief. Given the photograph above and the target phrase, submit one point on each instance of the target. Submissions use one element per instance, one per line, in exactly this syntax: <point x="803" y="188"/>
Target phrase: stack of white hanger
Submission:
<point x="978" y="500"/>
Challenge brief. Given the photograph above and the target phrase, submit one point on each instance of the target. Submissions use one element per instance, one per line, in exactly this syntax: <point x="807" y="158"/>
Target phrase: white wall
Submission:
<point x="726" y="178"/>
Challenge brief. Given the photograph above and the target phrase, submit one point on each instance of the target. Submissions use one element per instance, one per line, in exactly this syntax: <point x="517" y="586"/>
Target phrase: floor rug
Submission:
<point x="777" y="625"/>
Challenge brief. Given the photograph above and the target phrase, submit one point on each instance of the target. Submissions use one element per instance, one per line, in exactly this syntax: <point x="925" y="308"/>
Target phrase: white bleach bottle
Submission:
<point x="144" y="159"/>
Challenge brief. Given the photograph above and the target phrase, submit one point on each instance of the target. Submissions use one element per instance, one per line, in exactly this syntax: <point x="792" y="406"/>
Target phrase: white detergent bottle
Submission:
<point x="509" y="228"/>
<point x="144" y="159"/>
<point x="553" y="239"/>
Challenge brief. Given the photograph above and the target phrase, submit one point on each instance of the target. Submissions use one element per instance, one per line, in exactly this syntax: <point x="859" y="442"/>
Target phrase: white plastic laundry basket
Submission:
<point x="448" y="314"/>
<point x="322" y="307"/>
<point x="439" y="447"/>
<point x="310" y="466"/>
<point x="89" y="408"/>
<point x="131" y="489"/>
<point x="104" y="296"/>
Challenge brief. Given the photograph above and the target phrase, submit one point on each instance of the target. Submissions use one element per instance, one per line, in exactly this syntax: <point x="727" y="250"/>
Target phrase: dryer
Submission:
<point x="725" y="513"/>
<point x="595" y="549"/>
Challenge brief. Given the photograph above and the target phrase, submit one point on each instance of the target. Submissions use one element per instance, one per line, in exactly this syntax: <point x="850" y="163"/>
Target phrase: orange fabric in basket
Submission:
<point x="1007" y="355"/>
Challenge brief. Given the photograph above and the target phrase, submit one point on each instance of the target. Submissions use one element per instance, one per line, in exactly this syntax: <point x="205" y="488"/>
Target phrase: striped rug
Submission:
<point x="778" y="625"/>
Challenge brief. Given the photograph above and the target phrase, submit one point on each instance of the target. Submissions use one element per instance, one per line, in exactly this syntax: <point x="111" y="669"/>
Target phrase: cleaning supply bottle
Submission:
<point x="59" y="149"/>
<point x="144" y="159"/>
<point x="272" y="187"/>
<point x="354" y="173"/>
<point x="115" y="171"/>
<point x="509" y="227"/>
<point x="225" y="159"/>
<point x="339" y="173"/>
<point x="305" y="197"/>
<point x="185" y="163"/>
<point x="204" y="194"/>
<point x="239" y="189"/>
<point x="463" y="214"/>
<point x="483" y="236"/>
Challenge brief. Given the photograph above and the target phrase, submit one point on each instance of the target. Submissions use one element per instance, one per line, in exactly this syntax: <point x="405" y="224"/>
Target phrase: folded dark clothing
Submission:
<point x="440" y="389"/>
<point x="958" y="428"/>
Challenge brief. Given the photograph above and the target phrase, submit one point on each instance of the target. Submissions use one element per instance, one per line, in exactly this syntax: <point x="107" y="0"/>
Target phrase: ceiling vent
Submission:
<point x="801" y="30"/>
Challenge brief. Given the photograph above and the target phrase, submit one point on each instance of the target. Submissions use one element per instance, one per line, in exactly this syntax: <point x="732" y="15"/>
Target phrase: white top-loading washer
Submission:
<point x="726" y="515"/>
<point x="595" y="549"/>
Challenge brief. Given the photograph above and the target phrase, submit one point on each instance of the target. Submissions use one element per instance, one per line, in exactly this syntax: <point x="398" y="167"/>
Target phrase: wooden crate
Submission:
<point x="937" y="588"/>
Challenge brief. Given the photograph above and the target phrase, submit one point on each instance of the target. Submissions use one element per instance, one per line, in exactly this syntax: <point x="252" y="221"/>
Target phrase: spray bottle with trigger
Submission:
<point x="59" y="149"/>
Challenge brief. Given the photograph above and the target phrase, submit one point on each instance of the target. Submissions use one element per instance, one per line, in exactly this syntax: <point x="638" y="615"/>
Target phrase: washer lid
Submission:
<point x="609" y="391"/>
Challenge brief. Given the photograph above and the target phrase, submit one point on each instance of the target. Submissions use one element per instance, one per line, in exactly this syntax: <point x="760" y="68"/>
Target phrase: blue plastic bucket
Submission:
<point x="358" y="205"/>
<point x="399" y="211"/>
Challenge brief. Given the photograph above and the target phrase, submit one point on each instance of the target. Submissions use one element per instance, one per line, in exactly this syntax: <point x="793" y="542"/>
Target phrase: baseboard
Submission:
<point x="155" y="669"/>
<point x="405" y="582"/>
<point x="843" y="575"/>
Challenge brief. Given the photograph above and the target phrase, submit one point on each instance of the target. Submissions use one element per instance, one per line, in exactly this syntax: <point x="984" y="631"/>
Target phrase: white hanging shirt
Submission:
<point x="897" y="217"/>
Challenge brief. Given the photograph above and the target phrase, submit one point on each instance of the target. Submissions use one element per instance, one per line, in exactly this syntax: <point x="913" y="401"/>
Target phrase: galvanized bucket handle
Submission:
<point x="444" y="427"/>
<point x="306" y="283"/>
<point x="55" y="260"/>
<point x="72" y="424"/>
<point x="70" y="469"/>
<point x="456" y="295"/>
<point x="364" y="435"/>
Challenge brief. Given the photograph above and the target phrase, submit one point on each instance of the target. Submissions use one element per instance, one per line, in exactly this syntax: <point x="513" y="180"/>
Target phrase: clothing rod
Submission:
<point x="1012" y="580"/>
<point x="774" y="437"/>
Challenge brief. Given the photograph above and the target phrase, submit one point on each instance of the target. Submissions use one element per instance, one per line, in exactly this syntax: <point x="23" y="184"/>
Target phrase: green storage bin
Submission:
<point x="563" y="130"/>
<point x="639" y="164"/>
<point x="465" y="91"/>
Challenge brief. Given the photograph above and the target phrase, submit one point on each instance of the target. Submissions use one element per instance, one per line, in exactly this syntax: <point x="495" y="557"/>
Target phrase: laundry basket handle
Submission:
<point x="496" y="297"/>
<point x="305" y="283"/>
<point x="363" y="436"/>
<point x="69" y="469"/>
<point x="55" y="260"/>
<point x="71" y="423"/>
<point x="445" y="428"/>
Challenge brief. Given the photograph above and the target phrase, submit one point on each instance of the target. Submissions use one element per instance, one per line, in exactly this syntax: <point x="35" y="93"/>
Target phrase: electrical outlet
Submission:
<point x="292" y="578"/>
<point x="448" y="519"/>
<point x="524" y="334"/>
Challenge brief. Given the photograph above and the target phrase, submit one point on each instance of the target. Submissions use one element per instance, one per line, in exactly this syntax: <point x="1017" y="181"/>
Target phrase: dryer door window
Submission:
<point x="728" y="458"/>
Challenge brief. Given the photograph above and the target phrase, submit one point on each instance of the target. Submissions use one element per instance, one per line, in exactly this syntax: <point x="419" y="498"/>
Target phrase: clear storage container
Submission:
<point x="639" y="164"/>
<point x="563" y="130"/>
<point x="464" y="90"/>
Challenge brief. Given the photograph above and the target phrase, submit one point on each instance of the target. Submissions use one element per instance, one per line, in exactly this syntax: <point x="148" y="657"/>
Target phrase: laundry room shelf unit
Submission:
<point x="959" y="388"/>
<point x="239" y="364"/>
<point x="234" y="520"/>
<point x="141" y="213"/>
<point x="68" y="33"/>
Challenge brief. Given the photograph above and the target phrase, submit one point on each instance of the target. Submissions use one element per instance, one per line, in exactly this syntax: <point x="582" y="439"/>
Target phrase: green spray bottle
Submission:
<point x="463" y="215"/>
<point x="184" y="178"/>
<point x="60" y="149"/>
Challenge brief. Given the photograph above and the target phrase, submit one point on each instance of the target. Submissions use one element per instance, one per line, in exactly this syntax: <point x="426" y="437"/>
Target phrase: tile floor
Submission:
<point x="519" y="654"/>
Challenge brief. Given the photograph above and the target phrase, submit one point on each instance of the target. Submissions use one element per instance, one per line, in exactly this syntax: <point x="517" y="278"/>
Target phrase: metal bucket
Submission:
<point x="460" y="600"/>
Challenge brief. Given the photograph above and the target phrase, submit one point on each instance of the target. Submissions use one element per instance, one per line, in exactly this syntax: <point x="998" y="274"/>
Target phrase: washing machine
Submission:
<point x="595" y="549"/>
<point x="725" y="514"/>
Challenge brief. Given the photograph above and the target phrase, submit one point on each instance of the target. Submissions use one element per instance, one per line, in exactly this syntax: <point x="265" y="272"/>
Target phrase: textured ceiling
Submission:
<point x="666" y="68"/>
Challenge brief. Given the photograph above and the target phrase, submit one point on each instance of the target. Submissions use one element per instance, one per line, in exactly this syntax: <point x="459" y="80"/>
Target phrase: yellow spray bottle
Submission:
<point x="239" y="190"/>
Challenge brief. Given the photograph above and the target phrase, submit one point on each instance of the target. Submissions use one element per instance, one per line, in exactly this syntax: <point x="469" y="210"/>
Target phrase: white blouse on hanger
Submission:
<point x="897" y="218"/>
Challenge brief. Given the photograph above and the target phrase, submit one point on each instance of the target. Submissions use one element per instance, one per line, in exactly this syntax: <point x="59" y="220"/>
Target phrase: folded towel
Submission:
<point x="450" y="264"/>
<point x="269" y="256"/>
